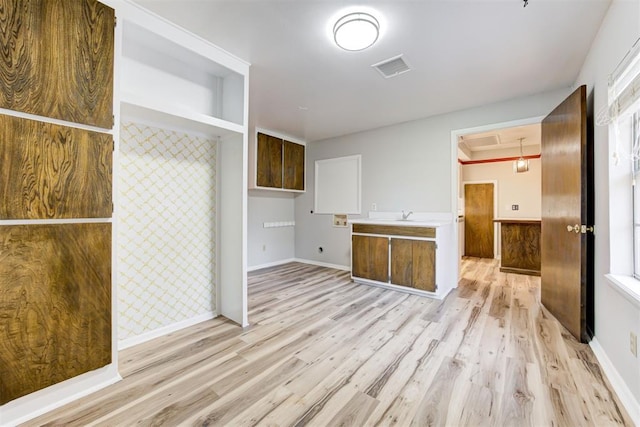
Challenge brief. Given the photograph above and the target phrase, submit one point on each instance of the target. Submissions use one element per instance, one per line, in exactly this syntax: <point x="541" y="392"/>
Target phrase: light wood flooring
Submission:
<point x="325" y="351"/>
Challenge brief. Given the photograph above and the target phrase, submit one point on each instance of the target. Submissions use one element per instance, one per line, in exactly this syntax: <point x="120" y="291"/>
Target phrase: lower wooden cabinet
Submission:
<point x="55" y="304"/>
<point x="413" y="264"/>
<point x="370" y="258"/>
<point x="395" y="255"/>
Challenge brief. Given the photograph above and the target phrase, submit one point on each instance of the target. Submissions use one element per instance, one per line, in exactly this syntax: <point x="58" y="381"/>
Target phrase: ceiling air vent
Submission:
<point x="392" y="67"/>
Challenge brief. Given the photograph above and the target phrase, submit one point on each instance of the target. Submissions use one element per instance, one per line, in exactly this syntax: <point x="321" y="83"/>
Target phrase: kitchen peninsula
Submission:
<point x="520" y="246"/>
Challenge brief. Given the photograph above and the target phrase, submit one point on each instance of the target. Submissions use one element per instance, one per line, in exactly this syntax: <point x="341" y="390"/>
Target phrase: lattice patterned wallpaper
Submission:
<point x="166" y="228"/>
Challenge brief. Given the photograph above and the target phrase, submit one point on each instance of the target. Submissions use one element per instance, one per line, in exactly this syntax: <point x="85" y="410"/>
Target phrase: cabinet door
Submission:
<point x="402" y="262"/>
<point x="52" y="171"/>
<point x="58" y="59"/>
<point x="370" y="258"/>
<point x="293" y="166"/>
<point x="413" y="264"/>
<point x="55" y="304"/>
<point x="269" y="167"/>
<point x="424" y="265"/>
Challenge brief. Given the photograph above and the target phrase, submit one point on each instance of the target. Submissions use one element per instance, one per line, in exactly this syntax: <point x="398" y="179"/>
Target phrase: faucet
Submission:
<point x="405" y="216"/>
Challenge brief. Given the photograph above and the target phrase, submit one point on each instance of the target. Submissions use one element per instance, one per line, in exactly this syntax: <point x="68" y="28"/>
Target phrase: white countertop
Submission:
<point x="419" y="219"/>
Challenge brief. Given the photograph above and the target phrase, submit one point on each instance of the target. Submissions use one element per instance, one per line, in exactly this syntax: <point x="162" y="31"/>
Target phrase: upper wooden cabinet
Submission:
<point x="57" y="59"/>
<point x="293" y="166"/>
<point x="269" y="170"/>
<point x="279" y="163"/>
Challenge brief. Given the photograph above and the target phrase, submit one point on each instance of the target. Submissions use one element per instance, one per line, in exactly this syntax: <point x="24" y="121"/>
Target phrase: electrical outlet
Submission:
<point x="633" y="341"/>
<point x="264" y="248"/>
<point x="515" y="207"/>
<point x="374" y="207"/>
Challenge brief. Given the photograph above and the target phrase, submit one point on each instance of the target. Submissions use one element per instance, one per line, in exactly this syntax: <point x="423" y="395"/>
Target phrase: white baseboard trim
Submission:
<point x="165" y="330"/>
<point x="323" y="264"/>
<point x="42" y="401"/>
<point x="270" y="264"/>
<point x="622" y="390"/>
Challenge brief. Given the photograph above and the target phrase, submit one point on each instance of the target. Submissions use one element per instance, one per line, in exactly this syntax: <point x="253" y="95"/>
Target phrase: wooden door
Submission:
<point x="567" y="204"/>
<point x="370" y="258"/>
<point x="478" y="220"/>
<point x="293" y="166"/>
<point x="269" y="167"/>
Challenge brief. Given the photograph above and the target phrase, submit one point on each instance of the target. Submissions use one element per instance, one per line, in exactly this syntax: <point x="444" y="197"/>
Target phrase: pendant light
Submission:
<point x="521" y="165"/>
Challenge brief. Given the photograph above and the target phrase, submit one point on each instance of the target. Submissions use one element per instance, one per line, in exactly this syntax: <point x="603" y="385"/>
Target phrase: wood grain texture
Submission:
<point x="269" y="161"/>
<point x="57" y="59"/>
<point x="478" y="220"/>
<point x="564" y="202"/>
<point x="370" y="257"/>
<point x="293" y="166"/>
<point x="51" y="171"/>
<point x="389" y="358"/>
<point x="402" y="262"/>
<point x="55" y="304"/>
<point x="424" y="265"/>
<point x="413" y="264"/>
<point x="395" y="230"/>
<point x="520" y="248"/>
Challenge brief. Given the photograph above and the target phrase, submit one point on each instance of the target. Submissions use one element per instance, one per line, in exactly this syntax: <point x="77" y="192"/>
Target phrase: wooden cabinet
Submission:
<point x="280" y="164"/>
<point x="55" y="274"/>
<point x="53" y="171"/>
<point x="293" y="166"/>
<point x="520" y="246"/>
<point x="58" y="60"/>
<point x="413" y="264"/>
<point x="400" y="256"/>
<point x="370" y="257"/>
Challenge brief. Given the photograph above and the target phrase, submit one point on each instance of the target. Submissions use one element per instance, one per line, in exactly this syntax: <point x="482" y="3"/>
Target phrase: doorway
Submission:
<point x="479" y="230"/>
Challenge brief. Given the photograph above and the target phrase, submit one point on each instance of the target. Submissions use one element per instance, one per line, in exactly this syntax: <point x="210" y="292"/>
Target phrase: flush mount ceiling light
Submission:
<point x="356" y="31"/>
<point x="522" y="164"/>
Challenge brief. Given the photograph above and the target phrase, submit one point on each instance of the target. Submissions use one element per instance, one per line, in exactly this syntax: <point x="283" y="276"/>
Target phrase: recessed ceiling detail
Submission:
<point x="392" y="67"/>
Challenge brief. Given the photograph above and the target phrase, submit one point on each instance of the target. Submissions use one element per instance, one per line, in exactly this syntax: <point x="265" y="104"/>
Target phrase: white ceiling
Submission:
<point x="498" y="143"/>
<point x="463" y="53"/>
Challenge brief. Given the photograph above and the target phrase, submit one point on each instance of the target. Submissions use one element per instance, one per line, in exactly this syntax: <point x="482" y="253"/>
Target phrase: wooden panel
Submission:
<point x="402" y="262"/>
<point x="52" y="171"/>
<point x="424" y="265"/>
<point x="478" y="221"/>
<point x="293" y="166"/>
<point x="269" y="167"/>
<point x="564" y="202"/>
<point x="55" y="304"/>
<point x="395" y="230"/>
<point x="370" y="258"/>
<point x="520" y="248"/>
<point x="57" y="59"/>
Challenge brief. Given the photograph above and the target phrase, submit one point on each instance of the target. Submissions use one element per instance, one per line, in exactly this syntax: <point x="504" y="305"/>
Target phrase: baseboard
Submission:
<point x="323" y="264"/>
<point x="270" y="264"/>
<point x="40" y="402"/>
<point x="619" y="386"/>
<point x="156" y="333"/>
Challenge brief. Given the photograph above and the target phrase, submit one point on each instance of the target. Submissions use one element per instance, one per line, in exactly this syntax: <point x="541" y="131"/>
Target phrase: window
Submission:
<point x="635" y="184"/>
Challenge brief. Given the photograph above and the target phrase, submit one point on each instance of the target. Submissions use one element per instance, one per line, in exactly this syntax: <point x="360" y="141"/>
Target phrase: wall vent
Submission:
<point x="392" y="67"/>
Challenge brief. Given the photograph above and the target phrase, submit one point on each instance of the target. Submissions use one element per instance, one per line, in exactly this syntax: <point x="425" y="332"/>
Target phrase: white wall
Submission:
<point x="166" y="229"/>
<point x="615" y="316"/>
<point x="522" y="189"/>
<point x="269" y="246"/>
<point x="406" y="166"/>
